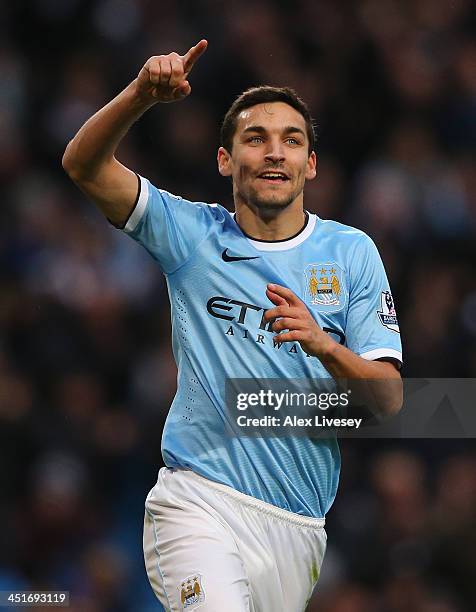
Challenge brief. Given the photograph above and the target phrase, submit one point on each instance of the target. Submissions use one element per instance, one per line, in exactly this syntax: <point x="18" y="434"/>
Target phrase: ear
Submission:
<point x="224" y="162"/>
<point x="311" y="168"/>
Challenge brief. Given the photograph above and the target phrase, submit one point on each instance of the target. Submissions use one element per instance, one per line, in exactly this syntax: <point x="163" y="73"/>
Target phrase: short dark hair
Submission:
<point x="260" y="95"/>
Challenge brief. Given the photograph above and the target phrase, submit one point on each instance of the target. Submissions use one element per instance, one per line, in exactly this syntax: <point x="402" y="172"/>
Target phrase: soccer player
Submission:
<point x="237" y="522"/>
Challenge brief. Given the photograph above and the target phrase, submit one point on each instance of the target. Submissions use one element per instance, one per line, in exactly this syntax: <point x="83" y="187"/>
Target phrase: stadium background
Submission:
<point x="86" y="372"/>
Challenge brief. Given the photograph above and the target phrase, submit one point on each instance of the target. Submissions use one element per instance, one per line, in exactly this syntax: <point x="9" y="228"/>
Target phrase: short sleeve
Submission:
<point x="169" y="227"/>
<point x="372" y="329"/>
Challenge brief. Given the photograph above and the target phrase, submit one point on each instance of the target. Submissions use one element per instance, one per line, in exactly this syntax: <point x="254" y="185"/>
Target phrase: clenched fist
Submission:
<point x="163" y="78"/>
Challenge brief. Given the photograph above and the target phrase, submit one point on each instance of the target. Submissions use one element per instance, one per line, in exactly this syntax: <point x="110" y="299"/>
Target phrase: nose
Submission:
<point x="275" y="152"/>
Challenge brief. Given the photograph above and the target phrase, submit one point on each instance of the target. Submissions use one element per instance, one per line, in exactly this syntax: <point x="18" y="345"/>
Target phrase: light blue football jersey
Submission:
<point x="216" y="278"/>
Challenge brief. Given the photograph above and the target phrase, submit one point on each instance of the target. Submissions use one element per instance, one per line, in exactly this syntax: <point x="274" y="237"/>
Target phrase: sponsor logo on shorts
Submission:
<point x="191" y="591"/>
<point x="387" y="314"/>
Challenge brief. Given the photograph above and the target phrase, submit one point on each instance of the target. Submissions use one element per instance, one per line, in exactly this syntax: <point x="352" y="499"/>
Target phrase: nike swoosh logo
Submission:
<point x="228" y="258"/>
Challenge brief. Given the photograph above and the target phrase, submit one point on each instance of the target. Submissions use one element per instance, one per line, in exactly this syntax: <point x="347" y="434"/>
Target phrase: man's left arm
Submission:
<point x="291" y="314"/>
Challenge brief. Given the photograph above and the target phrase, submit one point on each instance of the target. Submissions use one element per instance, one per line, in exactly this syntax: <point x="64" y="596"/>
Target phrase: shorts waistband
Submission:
<point x="258" y="504"/>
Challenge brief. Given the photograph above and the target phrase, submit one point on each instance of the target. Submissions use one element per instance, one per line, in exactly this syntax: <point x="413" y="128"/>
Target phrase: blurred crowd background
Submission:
<point x="86" y="371"/>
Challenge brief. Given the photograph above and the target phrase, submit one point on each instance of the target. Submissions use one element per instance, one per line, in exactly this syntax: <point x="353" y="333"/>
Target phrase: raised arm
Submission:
<point x="89" y="158"/>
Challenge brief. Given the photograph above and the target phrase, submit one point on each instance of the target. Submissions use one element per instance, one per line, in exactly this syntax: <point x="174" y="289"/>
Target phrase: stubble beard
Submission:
<point x="279" y="202"/>
<point x="273" y="202"/>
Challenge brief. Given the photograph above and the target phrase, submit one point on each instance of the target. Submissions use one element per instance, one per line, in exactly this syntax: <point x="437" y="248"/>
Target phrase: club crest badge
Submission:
<point x="191" y="591"/>
<point x="387" y="314"/>
<point x="325" y="287"/>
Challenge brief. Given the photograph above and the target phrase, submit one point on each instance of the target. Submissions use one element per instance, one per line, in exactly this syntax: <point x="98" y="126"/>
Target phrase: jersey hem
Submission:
<point x="257" y="504"/>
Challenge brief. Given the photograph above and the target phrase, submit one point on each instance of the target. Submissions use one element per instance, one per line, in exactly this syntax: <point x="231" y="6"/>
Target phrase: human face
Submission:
<point x="270" y="161"/>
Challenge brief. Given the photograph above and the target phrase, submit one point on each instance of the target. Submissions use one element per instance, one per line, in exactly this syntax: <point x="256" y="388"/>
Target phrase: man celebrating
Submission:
<point x="272" y="291"/>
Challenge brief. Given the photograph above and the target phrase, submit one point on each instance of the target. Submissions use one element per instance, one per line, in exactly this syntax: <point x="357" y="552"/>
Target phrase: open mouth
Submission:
<point x="273" y="177"/>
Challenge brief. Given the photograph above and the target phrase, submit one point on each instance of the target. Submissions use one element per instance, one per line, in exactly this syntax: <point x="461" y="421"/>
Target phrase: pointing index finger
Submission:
<point x="193" y="54"/>
<point x="275" y="298"/>
<point x="285" y="293"/>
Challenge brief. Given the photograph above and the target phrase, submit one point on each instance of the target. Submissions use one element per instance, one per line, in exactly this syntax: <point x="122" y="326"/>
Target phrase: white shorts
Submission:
<point x="209" y="547"/>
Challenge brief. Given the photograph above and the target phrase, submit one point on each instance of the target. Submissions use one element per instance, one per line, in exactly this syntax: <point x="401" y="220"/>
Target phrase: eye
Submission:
<point x="255" y="139"/>
<point x="293" y="141"/>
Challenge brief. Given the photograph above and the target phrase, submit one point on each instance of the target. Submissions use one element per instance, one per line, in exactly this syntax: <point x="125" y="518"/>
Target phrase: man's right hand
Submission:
<point x="90" y="159"/>
<point x="163" y="78"/>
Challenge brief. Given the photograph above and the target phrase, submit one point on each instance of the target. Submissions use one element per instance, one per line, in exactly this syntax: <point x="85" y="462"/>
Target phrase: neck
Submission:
<point x="271" y="224"/>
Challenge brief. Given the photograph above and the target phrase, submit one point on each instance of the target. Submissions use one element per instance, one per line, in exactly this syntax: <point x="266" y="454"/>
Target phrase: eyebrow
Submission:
<point x="289" y="129"/>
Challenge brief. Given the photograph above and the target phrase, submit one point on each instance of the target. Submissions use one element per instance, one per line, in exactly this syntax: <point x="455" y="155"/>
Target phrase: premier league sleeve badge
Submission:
<point x="387" y="313"/>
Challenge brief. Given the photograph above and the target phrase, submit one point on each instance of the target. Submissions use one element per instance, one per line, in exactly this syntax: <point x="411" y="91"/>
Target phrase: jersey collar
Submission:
<point x="283" y="245"/>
